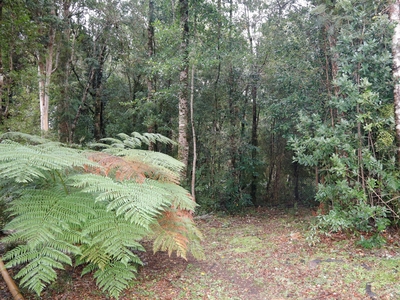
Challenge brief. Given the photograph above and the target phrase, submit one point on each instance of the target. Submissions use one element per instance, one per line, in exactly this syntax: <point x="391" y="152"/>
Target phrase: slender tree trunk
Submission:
<point x="193" y="134"/>
<point x="395" y="18"/>
<point x="44" y="107"/>
<point x="183" y="148"/>
<point x="215" y="125"/>
<point x="254" y="141"/>
<point x="149" y="79"/>
<point x="98" y="114"/>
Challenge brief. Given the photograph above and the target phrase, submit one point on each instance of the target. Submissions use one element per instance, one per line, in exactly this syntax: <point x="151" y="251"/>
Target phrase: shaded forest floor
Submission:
<point x="257" y="255"/>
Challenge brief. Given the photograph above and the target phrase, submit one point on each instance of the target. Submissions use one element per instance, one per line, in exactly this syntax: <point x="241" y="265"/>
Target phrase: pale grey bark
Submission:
<point x="45" y="69"/>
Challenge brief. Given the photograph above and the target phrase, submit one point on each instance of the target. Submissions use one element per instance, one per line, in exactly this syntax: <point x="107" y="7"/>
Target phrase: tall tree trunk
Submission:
<point x="395" y="18"/>
<point x="183" y="147"/>
<point x="254" y="125"/>
<point x="254" y="141"/>
<point x="149" y="79"/>
<point x="193" y="185"/>
<point x="45" y="68"/>
<point x="97" y="87"/>
<point x="81" y="105"/>
<point x="66" y="58"/>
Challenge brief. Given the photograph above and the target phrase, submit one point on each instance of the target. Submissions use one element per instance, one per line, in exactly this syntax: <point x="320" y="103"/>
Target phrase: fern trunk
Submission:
<point x="12" y="287"/>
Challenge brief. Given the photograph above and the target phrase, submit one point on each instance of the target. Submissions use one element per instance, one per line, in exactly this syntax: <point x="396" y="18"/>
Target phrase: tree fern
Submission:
<point x="95" y="206"/>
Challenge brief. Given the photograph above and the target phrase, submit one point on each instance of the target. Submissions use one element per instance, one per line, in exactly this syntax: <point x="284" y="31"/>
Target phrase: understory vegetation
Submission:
<point x="70" y="206"/>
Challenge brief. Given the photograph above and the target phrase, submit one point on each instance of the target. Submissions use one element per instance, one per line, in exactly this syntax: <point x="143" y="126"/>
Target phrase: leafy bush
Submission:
<point x="93" y="206"/>
<point x="350" y="142"/>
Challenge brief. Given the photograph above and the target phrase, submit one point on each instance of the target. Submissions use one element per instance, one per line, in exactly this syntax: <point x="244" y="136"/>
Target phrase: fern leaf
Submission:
<point x="115" y="278"/>
<point x="175" y="231"/>
<point x="138" y="202"/>
<point x="156" y="137"/>
<point x="23" y="137"/>
<point x="25" y="163"/>
<point x="114" y="238"/>
<point x="42" y="215"/>
<point x="179" y="197"/>
<point x="40" y="266"/>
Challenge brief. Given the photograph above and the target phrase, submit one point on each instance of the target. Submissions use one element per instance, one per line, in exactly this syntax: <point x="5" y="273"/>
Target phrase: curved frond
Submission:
<point x="24" y="163"/>
<point x="159" y="165"/>
<point x="23" y="137"/>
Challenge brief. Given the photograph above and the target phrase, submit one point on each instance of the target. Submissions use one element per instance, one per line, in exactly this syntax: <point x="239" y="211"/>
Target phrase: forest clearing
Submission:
<point x="260" y="254"/>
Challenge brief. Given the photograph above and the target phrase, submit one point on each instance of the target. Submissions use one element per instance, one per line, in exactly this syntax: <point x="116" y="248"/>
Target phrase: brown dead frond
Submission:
<point x="119" y="167"/>
<point x="124" y="168"/>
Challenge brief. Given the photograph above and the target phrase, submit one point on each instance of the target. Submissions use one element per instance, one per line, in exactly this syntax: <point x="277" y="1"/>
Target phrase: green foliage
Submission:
<point x="352" y="144"/>
<point x="115" y="278"/>
<point x="375" y="241"/>
<point x="93" y="206"/>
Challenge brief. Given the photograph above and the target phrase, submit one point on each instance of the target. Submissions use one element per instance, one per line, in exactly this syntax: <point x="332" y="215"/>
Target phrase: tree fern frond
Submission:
<point x="24" y="163"/>
<point x="153" y="165"/>
<point x="179" y="197"/>
<point x="89" y="268"/>
<point x="98" y="145"/>
<point x="174" y="231"/>
<point x="23" y="137"/>
<point x="40" y="215"/>
<point x="114" y="237"/>
<point x="96" y="206"/>
<point x="170" y="235"/>
<point x="115" y="278"/>
<point x="153" y="158"/>
<point x="40" y="266"/>
<point x="156" y="137"/>
<point x="118" y="167"/>
<point x="136" y="140"/>
<point x="95" y="254"/>
<point x="138" y="202"/>
<point x="111" y="141"/>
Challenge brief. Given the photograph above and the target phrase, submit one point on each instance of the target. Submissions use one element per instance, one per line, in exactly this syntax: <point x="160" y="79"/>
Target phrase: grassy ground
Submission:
<point x="258" y="255"/>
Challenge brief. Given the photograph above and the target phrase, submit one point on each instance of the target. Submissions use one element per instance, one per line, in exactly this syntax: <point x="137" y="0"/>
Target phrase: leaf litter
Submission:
<point x="260" y="254"/>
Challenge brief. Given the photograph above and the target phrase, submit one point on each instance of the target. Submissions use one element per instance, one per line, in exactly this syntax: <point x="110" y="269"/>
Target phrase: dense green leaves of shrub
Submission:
<point x="93" y="206"/>
<point x="351" y="145"/>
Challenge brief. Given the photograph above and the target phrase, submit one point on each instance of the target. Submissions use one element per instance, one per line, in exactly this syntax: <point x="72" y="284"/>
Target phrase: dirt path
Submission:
<point x="261" y="255"/>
